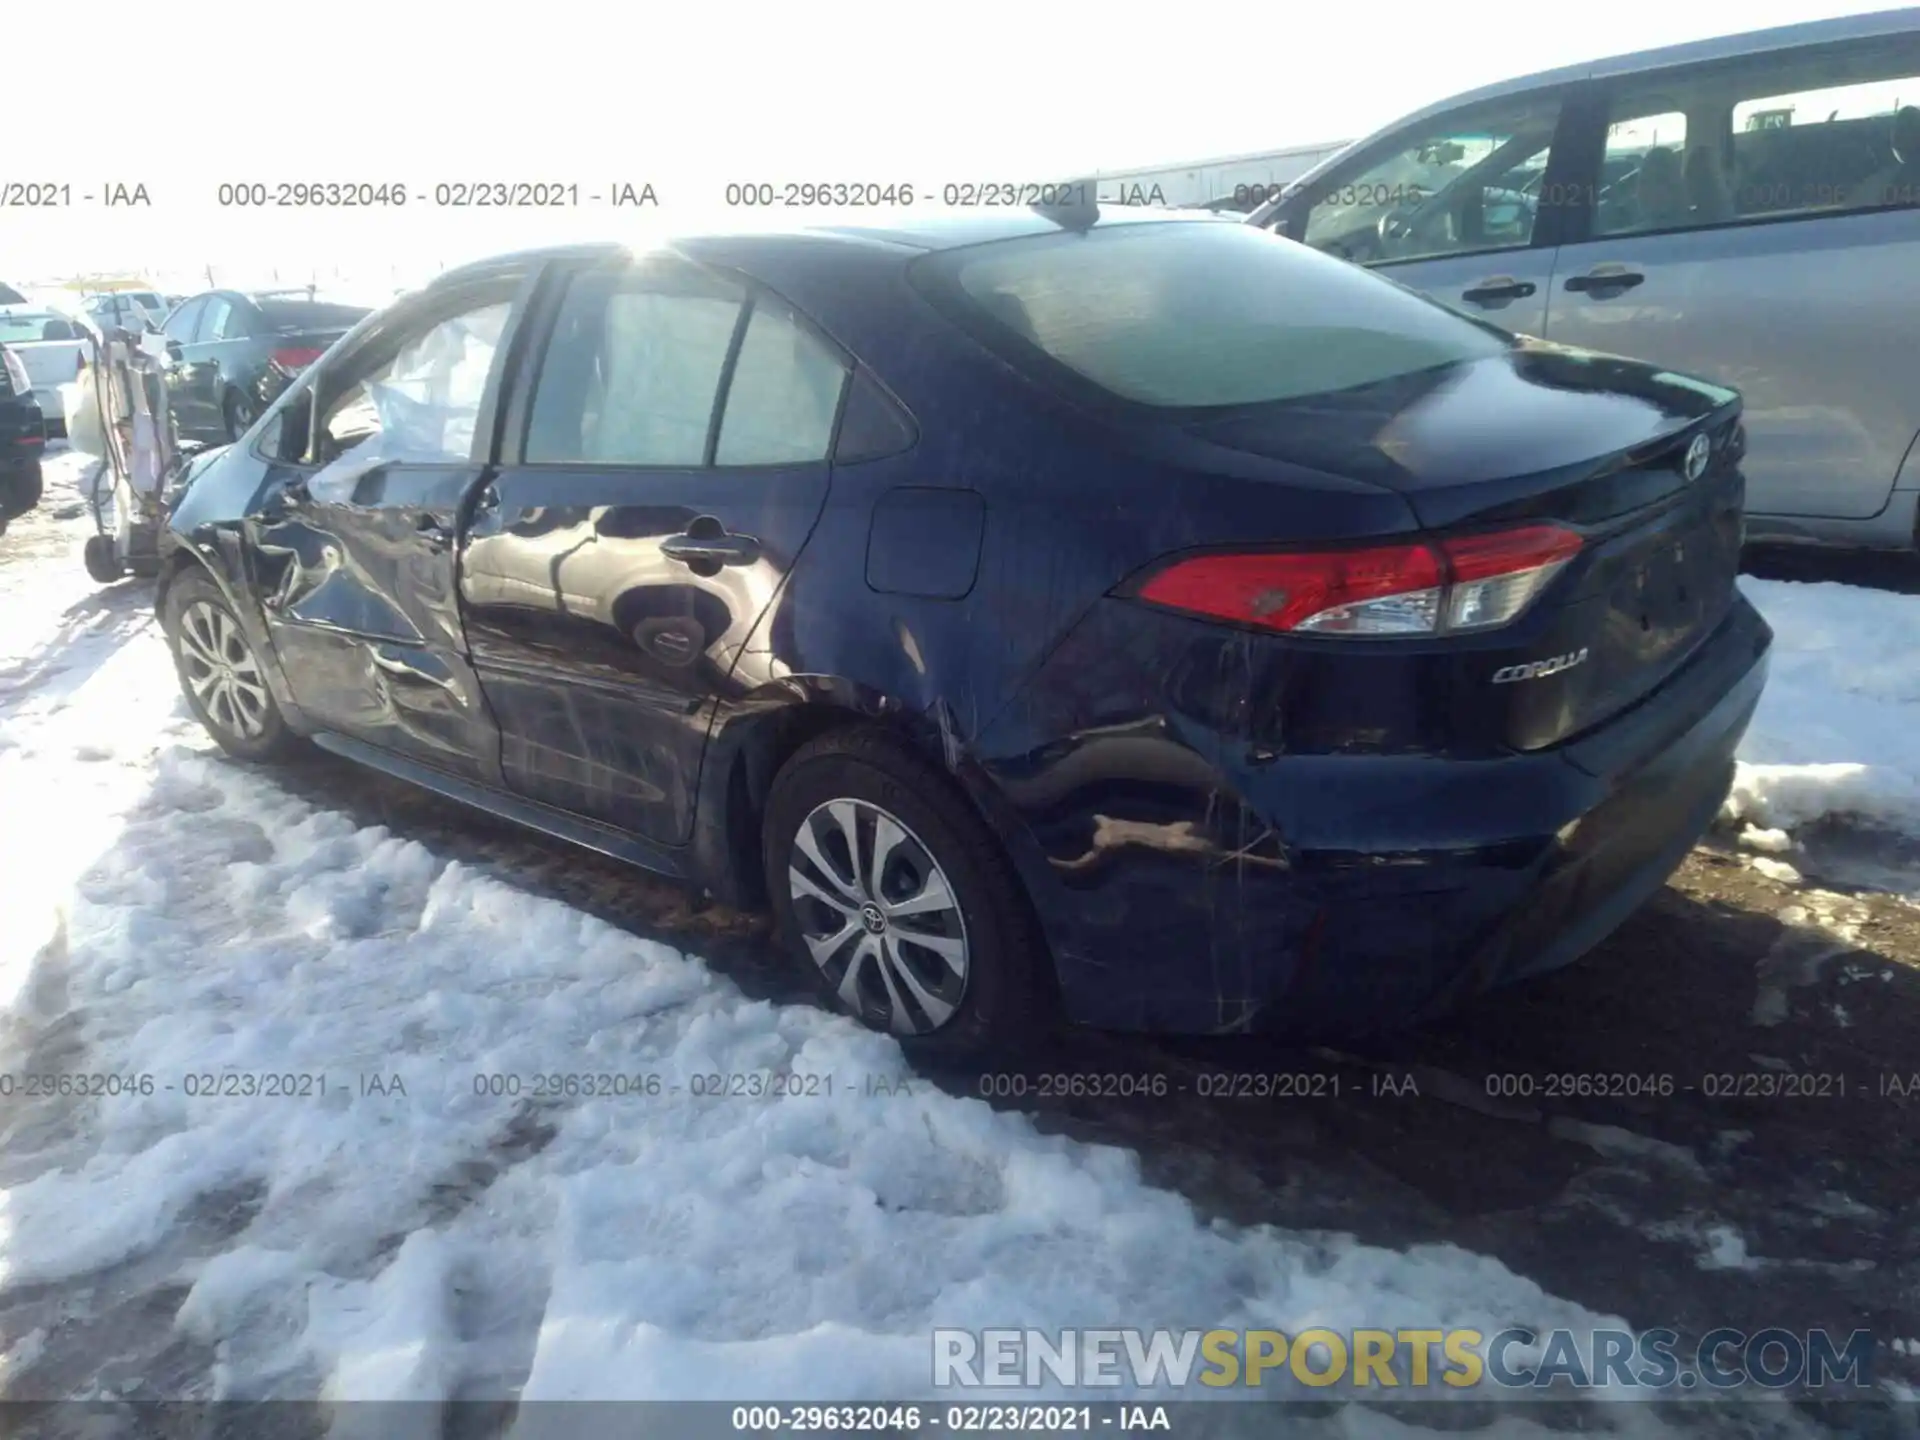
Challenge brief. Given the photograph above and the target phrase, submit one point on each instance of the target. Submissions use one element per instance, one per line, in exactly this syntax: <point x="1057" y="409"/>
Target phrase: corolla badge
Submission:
<point x="1698" y="453"/>
<point x="1538" y="669"/>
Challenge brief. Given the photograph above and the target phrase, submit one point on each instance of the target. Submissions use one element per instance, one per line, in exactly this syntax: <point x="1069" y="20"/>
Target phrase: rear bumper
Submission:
<point x="1186" y="890"/>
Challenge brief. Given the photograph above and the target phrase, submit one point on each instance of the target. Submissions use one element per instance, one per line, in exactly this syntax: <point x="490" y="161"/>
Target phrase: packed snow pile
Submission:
<point x="1838" y="729"/>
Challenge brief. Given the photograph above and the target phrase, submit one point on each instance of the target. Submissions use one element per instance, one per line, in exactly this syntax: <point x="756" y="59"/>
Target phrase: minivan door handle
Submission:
<point x="1605" y="281"/>
<point x="1498" y="290"/>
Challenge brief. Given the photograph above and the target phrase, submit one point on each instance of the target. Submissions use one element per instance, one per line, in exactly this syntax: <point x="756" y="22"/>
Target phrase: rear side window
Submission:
<point x="632" y="374"/>
<point x="1198" y="315"/>
<point x="11" y="296"/>
<point x="1770" y="137"/>
<point x="783" y="396"/>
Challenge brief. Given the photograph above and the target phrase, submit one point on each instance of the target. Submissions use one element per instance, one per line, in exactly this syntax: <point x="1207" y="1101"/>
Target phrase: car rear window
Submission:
<point x="287" y="316"/>
<point x="24" y="329"/>
<point x="1199" y="315"/>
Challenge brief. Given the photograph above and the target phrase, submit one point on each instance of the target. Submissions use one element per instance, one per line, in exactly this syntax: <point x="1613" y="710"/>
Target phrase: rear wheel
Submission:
<point x="20" y="490"/>
<point x="224" y="681"/>
<point x="899" y="902"/>
<point x="240" y="414"/>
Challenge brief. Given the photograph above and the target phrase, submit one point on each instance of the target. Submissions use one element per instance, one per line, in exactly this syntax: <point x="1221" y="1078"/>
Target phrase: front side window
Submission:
<point x="1464" y="185"/>
<point x="632" y="373"/>
<point x="214" y="322"/>
<point x="180" y="325"/>
<point x="413" y="395"/>
<point x="1198" y="314"/>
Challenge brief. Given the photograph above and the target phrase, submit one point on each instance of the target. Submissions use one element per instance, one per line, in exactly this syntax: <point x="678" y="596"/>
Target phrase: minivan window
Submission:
<point x="1771" y="137"/>
<point x="1464" y="184"/>
<point x="1201" y="314"/>
<point x="1642" y="175"/>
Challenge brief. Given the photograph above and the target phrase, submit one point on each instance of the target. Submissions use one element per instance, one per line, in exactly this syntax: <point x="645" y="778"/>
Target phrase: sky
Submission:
<point x="693" y="98"/>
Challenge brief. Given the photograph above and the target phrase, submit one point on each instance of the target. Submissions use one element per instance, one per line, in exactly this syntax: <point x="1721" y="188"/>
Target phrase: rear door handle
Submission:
<point x="1601" y="282"/>
<point x="1499" y="288"/>
<point x="711" y="546"/>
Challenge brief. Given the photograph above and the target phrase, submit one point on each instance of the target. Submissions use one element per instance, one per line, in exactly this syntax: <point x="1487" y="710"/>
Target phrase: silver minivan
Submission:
<point x="1746" y="209"/>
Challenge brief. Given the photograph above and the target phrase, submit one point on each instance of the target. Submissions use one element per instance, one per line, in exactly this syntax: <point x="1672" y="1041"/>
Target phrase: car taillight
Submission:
<point x="1469" y="582"/>
<point x="16" y="373"/>
<point x="296" y="360"/>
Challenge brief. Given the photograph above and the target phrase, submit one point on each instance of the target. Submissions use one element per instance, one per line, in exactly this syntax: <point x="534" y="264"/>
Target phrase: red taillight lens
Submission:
<point x="294" y="361"/>
<point x="1396" y="588"/>
<point x="1471" y="582"/>
<point x="1494" y="577"/>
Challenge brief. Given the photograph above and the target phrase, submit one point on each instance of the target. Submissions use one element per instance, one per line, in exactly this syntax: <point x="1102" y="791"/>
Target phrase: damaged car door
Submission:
<point x="660" y="471"/>
<point x="355" y="548"/>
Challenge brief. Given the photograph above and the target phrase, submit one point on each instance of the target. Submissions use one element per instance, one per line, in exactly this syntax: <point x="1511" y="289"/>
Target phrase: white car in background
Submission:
<point x="136" y="311"/>
<point x="52" y="347"/>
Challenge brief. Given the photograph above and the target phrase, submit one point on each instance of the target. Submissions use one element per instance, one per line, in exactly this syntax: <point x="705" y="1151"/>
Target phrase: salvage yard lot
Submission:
<point x="1708" y="1122"/>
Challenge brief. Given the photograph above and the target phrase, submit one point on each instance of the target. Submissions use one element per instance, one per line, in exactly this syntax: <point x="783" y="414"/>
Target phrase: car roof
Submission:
<point x="1721" y="47"/>
<point x="907" y="236"/>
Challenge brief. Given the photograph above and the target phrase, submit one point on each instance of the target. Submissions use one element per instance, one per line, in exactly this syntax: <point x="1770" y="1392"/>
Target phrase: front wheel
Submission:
<point x="898" y="900"/>
<point x="223" y="679"/>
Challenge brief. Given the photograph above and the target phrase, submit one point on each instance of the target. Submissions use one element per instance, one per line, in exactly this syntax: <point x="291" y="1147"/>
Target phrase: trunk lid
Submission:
<point x="1594" y="443"/>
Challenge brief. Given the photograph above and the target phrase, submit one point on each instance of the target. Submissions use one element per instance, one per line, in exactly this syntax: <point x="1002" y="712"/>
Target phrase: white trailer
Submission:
<point x="1231" y="182"/>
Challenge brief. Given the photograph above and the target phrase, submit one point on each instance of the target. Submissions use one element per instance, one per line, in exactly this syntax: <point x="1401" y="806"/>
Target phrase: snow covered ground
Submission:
<point x="1838" y="729"/>
<point x="385" y="1209"/>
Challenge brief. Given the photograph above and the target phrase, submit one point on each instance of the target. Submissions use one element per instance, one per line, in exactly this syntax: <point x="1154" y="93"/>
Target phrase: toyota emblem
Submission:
<point x="1697" y="454"/>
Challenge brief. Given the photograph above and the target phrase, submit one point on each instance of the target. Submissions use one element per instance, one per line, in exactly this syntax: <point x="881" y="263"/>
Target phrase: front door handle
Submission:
<point x="1499" y="290"/>
<point x="1605" y="281"/>
<point x="706" y="543"/>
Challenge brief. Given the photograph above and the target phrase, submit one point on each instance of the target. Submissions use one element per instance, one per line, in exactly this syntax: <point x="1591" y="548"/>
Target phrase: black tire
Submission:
<point x="239" y="413"/>
<point x="246" y="726"/>
<point x="21" y="490"/>
<point x="1005" y="1000"/>
<point x="102" y="560"/>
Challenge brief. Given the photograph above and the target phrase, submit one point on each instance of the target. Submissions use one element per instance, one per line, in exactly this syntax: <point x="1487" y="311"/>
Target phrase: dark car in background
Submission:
<point x="231" y="352"/>
<point x="1129" y="611"/>
<point x="23" y="439"/>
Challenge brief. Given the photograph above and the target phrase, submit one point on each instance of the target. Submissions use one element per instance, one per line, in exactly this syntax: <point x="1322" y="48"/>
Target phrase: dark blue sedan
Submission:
<point x="1137" y="616"/>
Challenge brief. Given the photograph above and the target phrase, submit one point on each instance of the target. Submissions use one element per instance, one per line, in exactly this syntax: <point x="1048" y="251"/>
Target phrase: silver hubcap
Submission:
<point x="879" y="917"/>
<point x="221" y="670"/>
